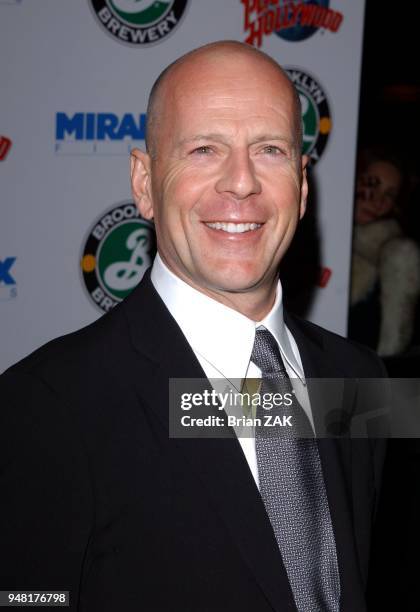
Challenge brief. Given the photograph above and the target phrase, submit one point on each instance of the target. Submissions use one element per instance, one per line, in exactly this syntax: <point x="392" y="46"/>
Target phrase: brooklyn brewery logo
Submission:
<point x="316" y="116"/>
<point x="119" y="248"/>
<point x="139" y="22"/>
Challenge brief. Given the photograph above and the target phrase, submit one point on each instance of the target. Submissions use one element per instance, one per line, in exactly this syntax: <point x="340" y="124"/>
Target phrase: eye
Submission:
<point x="273" y="150"/>
<point x="372" y="181"/>
<point x="203" y="150"/>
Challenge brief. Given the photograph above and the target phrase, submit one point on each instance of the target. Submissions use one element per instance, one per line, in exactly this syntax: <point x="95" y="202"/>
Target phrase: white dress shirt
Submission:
<point x="222" y="339"/>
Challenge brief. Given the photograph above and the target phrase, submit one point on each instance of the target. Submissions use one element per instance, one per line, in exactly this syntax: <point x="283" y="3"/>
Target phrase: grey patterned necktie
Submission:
<point x="293" y="490"/>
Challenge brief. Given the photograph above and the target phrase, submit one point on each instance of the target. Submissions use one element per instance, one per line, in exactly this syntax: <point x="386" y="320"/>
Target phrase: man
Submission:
<point x="98" y="499"/>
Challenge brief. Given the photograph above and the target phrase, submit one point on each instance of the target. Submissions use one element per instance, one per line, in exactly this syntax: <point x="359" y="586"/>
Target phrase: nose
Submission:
<point x="238" y="176"/>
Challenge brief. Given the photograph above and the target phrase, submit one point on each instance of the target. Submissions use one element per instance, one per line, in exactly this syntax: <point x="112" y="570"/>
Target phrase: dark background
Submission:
<point x="389" y="104"/>
<point x="390" y="85"/>
<point x="389" y="116"/>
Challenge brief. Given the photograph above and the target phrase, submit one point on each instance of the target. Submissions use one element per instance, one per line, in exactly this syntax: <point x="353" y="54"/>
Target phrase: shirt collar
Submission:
<point x="219" y="334"/>
<point x="274" y="322"/>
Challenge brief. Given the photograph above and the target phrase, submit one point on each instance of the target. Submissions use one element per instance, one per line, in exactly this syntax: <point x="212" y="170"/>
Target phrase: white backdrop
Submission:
<point x="71" y="89"/>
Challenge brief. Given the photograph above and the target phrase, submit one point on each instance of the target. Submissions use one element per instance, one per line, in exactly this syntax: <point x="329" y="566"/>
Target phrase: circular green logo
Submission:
<point x="123" y="258"/>
<point x="119" y="249"/>
<point x="139" y="22"/>
<point x="316" y="116"/>
<point x="310" y="119"/>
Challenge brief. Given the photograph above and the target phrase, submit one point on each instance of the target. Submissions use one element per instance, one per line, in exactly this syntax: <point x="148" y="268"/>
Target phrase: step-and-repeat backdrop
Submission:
<point x="75" y="77"/>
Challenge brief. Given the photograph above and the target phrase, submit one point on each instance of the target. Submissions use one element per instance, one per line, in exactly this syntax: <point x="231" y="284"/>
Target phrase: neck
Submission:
<point x="253" y="302"/>
<point x="254" y="306"/>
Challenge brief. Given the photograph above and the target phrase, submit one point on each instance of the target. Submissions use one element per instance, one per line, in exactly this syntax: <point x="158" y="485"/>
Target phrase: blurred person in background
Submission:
<point x="385" y="279"/>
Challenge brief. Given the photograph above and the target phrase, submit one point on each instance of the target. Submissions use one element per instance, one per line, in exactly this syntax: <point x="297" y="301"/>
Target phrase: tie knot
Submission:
<point x="266" y="354"/>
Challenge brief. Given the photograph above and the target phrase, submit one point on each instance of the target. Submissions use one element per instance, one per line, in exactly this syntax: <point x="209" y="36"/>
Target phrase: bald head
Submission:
<point x="211" y="56"/>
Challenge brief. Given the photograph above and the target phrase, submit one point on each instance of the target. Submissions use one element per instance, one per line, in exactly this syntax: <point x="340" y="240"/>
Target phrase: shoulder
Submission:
<point x="402" y="251"/>
<point x="106" y="341"/>
<point x="75" y="358"/>
<point x="347" y="357"/>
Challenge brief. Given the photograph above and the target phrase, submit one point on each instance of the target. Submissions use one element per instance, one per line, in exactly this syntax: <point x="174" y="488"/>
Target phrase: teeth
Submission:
<point x="234" y="228"/>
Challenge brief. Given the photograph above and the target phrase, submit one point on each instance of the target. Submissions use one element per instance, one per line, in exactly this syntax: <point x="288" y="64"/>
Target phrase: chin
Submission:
<point x="235" y="280"/>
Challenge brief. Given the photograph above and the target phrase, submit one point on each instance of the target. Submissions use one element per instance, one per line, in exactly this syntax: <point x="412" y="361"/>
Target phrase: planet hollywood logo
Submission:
<point x="291" y="20"/>
<point x="139" y="22"/>
<point x="119" y="248"/>
<point x="316" y="116"/>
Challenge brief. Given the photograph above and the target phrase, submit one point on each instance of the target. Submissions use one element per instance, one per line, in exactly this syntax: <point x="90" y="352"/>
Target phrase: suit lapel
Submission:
<point x="218" y="462"/>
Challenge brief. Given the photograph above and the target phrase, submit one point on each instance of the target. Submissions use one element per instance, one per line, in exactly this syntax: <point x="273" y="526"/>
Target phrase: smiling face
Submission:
<point x="225" y="185"/>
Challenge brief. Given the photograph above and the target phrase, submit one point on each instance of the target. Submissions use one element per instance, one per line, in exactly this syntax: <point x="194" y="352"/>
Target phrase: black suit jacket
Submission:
<point x="98" y="500"/>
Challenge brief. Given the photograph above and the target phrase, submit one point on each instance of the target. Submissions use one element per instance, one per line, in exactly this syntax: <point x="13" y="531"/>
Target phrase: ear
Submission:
<point x="304" y="187"/>
<point x="141" y="182"/>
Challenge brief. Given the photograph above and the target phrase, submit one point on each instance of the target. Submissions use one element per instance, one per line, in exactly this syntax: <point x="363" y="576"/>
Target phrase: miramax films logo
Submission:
<point x="316" y="116"/>
<point x="117" y="251"/>
<point x="139" y="22"/>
